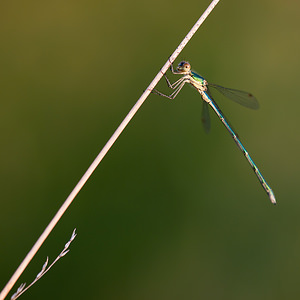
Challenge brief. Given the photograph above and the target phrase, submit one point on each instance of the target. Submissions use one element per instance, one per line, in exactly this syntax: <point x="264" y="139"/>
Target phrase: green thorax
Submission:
<point x="198" y="78"/>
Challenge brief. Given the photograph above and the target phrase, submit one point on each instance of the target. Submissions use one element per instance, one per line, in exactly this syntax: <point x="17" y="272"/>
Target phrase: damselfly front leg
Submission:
<point x="176" y="86"/>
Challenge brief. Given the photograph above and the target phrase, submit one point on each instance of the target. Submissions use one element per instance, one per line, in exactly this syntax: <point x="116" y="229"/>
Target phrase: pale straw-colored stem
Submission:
<point x="102" y="153"/>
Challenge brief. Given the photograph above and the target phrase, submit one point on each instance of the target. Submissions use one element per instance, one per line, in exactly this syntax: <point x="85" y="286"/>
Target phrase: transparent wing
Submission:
<point x="205" y="117"/>
<point x="218" y="108"/>
<point x="244" y="98"/>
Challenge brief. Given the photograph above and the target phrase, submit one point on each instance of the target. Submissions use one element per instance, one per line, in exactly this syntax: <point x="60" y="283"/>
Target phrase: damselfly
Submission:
<point x="202" y="86"/>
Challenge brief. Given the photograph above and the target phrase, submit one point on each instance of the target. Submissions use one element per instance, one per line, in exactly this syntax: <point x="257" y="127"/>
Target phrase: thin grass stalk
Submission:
<point x="103" y="152"/>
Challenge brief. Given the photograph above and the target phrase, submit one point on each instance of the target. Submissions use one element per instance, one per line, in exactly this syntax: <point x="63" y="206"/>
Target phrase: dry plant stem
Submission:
<point x="103" y="152"/>
<point x="44" y="270"/>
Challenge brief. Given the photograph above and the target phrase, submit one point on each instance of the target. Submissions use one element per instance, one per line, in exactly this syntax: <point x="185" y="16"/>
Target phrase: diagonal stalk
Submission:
<point x="103" y="152"/>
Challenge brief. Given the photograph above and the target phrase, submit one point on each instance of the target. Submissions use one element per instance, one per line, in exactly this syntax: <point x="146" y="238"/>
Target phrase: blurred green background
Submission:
<point x="170" y="213"/>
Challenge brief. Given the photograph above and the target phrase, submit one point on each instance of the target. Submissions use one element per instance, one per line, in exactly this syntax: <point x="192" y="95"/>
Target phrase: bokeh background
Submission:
<point x="171" y="212"/>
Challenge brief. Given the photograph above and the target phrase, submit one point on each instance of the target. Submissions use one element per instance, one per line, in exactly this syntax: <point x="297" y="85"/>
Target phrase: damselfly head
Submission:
<point x="184" y="67"/>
